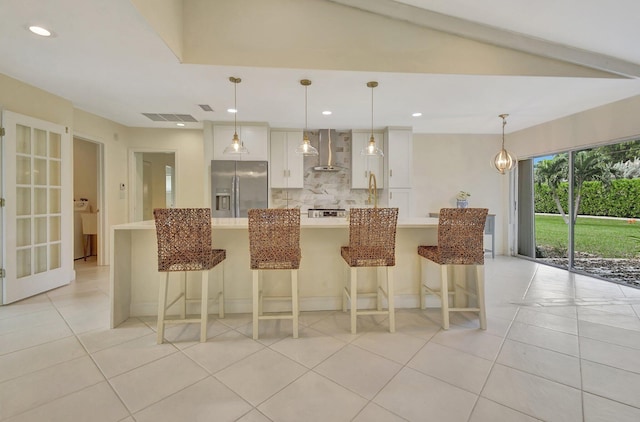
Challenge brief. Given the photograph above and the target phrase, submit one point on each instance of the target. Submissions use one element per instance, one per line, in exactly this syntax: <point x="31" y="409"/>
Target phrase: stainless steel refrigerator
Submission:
<point x="237" y="186"/>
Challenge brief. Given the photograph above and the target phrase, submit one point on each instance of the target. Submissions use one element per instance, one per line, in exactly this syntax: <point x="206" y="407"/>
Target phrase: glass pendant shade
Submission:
<point x="305" y="148"/>
<point x="503" y="161"/>
<point x="236" y="146"/>
<point x="371" y="149"/>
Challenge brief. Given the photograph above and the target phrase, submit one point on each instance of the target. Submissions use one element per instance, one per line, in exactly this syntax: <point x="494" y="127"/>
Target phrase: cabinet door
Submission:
<point x="362" y="165"/>
<point x="256" y="139"/>
<point x="401" y="199"/>
<point x="278" y="162"/>
<point x="222" y="136"/>
<point x="400" y="151"/>
<point x="295" y="162"/>
<point x="287" y="167"/>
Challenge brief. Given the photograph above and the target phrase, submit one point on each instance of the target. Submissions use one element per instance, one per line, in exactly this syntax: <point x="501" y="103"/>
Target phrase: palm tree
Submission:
<point x="552" y="173"/>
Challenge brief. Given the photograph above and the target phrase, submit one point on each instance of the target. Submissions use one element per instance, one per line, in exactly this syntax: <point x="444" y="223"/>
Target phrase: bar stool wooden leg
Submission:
<point x="444" y="296"/>
<point x="354" y="299"/>
<point x="256" y="301"/>
<point x="162" y="304"/>
<point x="294" y="301"/>
<point x="391" y="301"/>
<point x="422" y="292"/>
<point x="183" y="311"/>
<point x="344" y="297"/>
<point x="204" y="308"/>
<point x="480" y="287"/>
<point x="379" y="271"/>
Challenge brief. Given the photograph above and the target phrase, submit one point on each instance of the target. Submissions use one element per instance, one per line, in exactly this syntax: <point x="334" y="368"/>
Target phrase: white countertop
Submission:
<point x="305" y="223"/>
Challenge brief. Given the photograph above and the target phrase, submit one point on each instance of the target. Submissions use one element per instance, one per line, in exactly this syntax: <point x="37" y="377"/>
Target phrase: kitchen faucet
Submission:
<point x="373" y="189"/>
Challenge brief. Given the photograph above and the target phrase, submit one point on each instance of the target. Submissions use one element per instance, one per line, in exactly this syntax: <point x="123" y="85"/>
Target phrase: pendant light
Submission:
<point x="236" y="146"/>
<point x="504" y="162"/>
<point x="371" y="149"/>
<point x="305" y="148"/>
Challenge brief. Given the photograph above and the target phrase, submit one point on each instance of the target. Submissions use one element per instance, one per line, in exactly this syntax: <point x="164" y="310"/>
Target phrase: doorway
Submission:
<point x="153" y="182"/>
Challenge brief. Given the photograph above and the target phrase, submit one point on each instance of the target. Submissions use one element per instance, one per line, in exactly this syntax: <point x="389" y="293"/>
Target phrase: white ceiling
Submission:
<point x="107" y="60"/>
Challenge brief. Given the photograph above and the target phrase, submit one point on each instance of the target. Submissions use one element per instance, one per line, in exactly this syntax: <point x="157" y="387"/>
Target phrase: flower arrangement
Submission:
<point x="462" y="195"/>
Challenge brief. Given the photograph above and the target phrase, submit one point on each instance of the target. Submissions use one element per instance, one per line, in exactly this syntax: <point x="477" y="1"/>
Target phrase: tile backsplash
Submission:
<point x="324" y="189"/>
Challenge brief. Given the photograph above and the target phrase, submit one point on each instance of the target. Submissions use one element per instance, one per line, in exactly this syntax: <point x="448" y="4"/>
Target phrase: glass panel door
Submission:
<point x="38" y="206"/>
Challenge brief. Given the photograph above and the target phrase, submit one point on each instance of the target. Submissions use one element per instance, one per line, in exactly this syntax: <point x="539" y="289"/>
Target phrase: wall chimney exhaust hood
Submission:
<point x="326" y="151"/>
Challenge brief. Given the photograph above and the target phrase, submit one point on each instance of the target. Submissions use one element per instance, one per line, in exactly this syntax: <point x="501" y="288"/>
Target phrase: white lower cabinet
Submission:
<point x="286" y="166"/>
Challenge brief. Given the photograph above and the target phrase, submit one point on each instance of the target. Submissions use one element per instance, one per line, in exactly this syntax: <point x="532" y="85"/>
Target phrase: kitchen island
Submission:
<point x="134" y="276"/>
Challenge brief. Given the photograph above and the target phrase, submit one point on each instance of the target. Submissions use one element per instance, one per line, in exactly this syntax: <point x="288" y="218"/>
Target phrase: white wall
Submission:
<point x="446" y="164"/>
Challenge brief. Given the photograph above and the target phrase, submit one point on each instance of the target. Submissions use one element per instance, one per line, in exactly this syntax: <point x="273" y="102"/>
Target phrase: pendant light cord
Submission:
<point x="235" y="106"/>
<point x="305" y="108"/>
<point x="372" y="111"/>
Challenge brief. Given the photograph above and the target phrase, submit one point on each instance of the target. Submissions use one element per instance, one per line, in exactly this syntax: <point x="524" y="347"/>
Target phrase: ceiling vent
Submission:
<point x="164" y="117"/>
<point x="205" y="107"/>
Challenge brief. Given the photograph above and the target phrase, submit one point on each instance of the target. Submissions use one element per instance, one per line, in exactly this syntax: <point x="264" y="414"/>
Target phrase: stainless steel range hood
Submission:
<point x="326" y="150"/>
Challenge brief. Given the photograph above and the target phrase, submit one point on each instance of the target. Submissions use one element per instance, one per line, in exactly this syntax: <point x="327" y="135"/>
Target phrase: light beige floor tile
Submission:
<point x="614" y="309"/>
<point x="254" y="416"/>
<point x="359" y="370"/>
<point x="501" y="309"/>
<point x="26" y="306"/>
<point x="630" y="291"/>
<point x="76" y="302"/>
<point x="311" y="348"/>
<point x="374" y="413"/>
<point x="311" y="317"/>
<point x="533" y="395"/>
<point x="33" y="336"/>
<point x="338" y="325"/>
<point x="187" y="335"/>
<point x="396" y="346"/>
<point x="610" y="354"/>
<point x="313" y="398"/>
<point x="35" y="358"/>
<point x="628" y="322"/>
<point x="545" y="363"/>
<point x="157" y="380"/>
<point x="29" y="320"/>
<point x="489" y="411"/>
<point x="612" y="383"/>
<point x="609" y="334"/>
<point x="236" y="320"/>
<point x="415" y="323"/>
<point x="599" y="409"/>
<point x="269" y="331"/>
<point x="96" y="320"/>
<point x="416" y="397"/>
<point x="102" y="339"/>
<point x="453" y="366"/>
<point x="224" y="350"/>
<point x="208" y="399"/>
<point x="545" y="320"/>
<point x="129" y="419"/>
<point x="561" y="311"/>
<point x="545" y="338"/>
<point x="124" y="357"/>
<point x="495" y="326"/>
<point x="97" y="403"/>
<point x="259" y="376"/>
<point x="37" y="388"/>
<point x="475" y="342"/>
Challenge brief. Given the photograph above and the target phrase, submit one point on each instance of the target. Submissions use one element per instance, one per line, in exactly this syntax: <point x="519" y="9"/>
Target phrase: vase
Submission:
<point x="462" y="203"/>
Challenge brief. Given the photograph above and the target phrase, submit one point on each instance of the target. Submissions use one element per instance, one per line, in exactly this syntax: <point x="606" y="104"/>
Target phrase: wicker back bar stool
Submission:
<point x="460" y="242"/>
<point x="184" y="244"/>
<point x="372" y="243"/>
<point x="274" y="244"/>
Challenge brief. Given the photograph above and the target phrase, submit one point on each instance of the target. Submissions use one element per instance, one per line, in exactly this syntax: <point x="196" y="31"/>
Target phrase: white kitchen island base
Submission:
<point x="134" y="276"/>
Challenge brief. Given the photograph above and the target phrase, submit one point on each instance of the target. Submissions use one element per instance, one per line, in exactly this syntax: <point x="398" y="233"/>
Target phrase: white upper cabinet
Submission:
<point x="254" y="137"/>
<point x="398" y="152"/>
<point x="362" y="165"/>
<point x="287" y="167"/>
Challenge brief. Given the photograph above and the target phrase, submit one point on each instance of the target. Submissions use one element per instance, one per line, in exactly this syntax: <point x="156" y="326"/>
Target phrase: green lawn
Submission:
<point x="602" y="237"/>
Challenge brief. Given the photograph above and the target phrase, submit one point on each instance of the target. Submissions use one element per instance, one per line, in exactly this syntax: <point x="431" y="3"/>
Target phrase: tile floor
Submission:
<point x="559" y="346"/>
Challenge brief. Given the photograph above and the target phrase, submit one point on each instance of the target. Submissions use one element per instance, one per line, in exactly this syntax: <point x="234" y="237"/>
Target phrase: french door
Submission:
<point x="37" y="216"/>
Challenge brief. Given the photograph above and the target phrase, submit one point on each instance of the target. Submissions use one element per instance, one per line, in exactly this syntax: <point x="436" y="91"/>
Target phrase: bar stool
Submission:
<point x="184" y="244"/>
<point x="274" y="244"/>
<point x="372" y="243"/>
<point x="460" y="242"/>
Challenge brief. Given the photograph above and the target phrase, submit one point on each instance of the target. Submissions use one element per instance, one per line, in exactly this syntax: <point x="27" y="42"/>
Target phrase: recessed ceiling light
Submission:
<point x="327" y="112"/>
<point x="417" y="114"/>
<point x="38" y="30"/>
<point x="180" y="124"/>
<point x="232" y="110"/>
